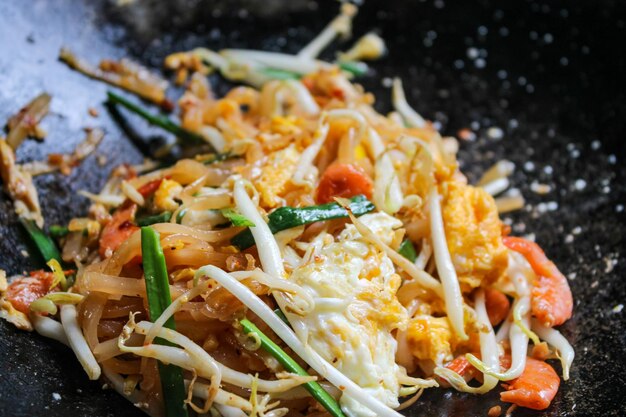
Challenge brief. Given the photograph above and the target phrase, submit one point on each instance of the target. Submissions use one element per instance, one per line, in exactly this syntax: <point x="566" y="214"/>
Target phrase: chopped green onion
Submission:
<point x="157" y="120"/>
<point x="238" y="220"/>
<point x="219" y="157"/>
<point x="407" y="250"/>
<point x="180" y="215"/>
<point x="279" y="74"/>
<point x="357" y="68"/>
<point x="57" y="231"/>
<point x="47" y="247"/>
<point x="282" y="316"/>
<point x="314" y="388"/>
<point x="158" y="292"/>
<point x="288" y="217"/>
<point x="157" y="218"/>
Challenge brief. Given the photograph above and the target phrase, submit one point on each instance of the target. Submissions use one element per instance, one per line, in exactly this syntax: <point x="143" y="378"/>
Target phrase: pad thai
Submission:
<point x="307" y="256"/>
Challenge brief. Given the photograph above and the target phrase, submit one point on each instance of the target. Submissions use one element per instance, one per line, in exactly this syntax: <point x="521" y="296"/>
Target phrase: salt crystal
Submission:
<point x="595" y="145"/>
<point x="580" y="184"/>
<point x="529" y="166"/>
<point x="472" y="53"/>
<point x="576" y="230"/>
<point x="569" y="238"/>
<point x="56" y="396"/>
<point x="495" y="133"/>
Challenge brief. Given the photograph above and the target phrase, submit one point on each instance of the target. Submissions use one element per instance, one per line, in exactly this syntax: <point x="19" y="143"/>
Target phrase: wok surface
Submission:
<point x="549" y="75"/>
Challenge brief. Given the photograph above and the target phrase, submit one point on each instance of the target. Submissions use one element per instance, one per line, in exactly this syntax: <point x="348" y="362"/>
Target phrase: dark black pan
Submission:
<point x="553" y="81"/>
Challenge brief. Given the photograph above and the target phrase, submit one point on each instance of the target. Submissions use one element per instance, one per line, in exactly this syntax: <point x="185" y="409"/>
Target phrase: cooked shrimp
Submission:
<point x="343" y="180"/>
<point x="23" y="291"/>
<point x="497" y="304"/>
<point x="118" y="229"/>
<point x="552" y="301"/>
<point x="535" y="388"/>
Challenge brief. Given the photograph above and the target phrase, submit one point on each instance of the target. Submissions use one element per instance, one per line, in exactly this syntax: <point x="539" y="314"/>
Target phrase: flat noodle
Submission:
<point x="373" y="297"/>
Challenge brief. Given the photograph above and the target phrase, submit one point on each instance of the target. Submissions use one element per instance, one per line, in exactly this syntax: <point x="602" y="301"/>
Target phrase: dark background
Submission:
<point x="549" y="74"/>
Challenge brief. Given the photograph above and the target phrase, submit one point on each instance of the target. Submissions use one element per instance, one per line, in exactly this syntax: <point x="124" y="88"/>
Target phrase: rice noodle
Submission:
<point x="445" y="267"/>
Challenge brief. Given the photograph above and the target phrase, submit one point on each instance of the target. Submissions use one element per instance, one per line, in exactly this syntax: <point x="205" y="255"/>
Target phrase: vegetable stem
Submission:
<point x="46" y="246"/>
<point x="314" y="388"/>
<point x="158" y="292"/>
<point x="57" y="231"/>
<point x="288" y="217"/>
<point x="156" y="120"/>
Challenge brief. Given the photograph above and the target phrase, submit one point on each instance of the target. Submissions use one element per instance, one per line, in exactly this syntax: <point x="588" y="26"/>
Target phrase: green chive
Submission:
<point x="279" y="74"/>
<point x="315" y="389"/>
<point x="157" y="120"/>
<point x="357" y="68"/>
<point x="157" y="218"/>
<point x="407" y="250"/>
<point x="57" y="231"/>
<point x="238" y="220"/>
<point x="158" y="292"/>
<point x="46" y="246"/>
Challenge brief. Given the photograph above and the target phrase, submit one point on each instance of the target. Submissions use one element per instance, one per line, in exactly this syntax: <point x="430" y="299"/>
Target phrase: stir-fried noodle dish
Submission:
<point x="304" y="255"/>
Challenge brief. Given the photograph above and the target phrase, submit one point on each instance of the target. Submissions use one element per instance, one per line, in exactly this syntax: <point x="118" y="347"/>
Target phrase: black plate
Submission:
<point x="549" y="74"/>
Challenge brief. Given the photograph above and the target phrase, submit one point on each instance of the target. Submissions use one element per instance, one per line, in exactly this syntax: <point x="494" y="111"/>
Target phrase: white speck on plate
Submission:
<point x="618" y="308"/>
<point x="580" y="184"/>
<point x="56" y="396"/>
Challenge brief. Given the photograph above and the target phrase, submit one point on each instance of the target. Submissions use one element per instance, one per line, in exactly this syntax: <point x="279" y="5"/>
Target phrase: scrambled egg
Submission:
<point x="164" y="195"/>
<point x="354" y="286"/>
<point x="473" y="233"/>
<point x="275" y="175"/>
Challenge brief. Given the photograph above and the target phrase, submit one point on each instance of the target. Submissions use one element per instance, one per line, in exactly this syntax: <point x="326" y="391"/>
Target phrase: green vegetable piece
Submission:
<point x="279" y="74"/>
<point x="282" y="316"/>
<point x="180" y="215"/>
<point x="157" y="120"/>
<point x="357" y="68"/>
<point x="57" y="231"/>
<point x="46" y="246"/>
<point x="315" y="389"/>
<point x="219" y="157"/>
<point x="158" y="292"/>
<point x="287" y="217"/>
<point x="157" y="218"/>
<point x="237" y="219"/>
<point x="407" y="250"/>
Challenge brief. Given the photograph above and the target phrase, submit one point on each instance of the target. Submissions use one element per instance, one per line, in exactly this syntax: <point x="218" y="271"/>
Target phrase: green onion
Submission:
<point x="157" y="218"/>
<point x="407" y="250"/>
<point x="180" y="215"/>
<point x="57" y="231"/>
<point x="357" y="68"/>
<point x="279" y="74"/>
<point x="315" y="389"/>
<point x="288" y="217"/>
<point x="47" y="248"/>
<point x="157" y="120"/>
<point x="158" y="292"/>
<point x="238" y="220"/>
<point x="219" y="157"/>
<point x="282" y="316"/>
